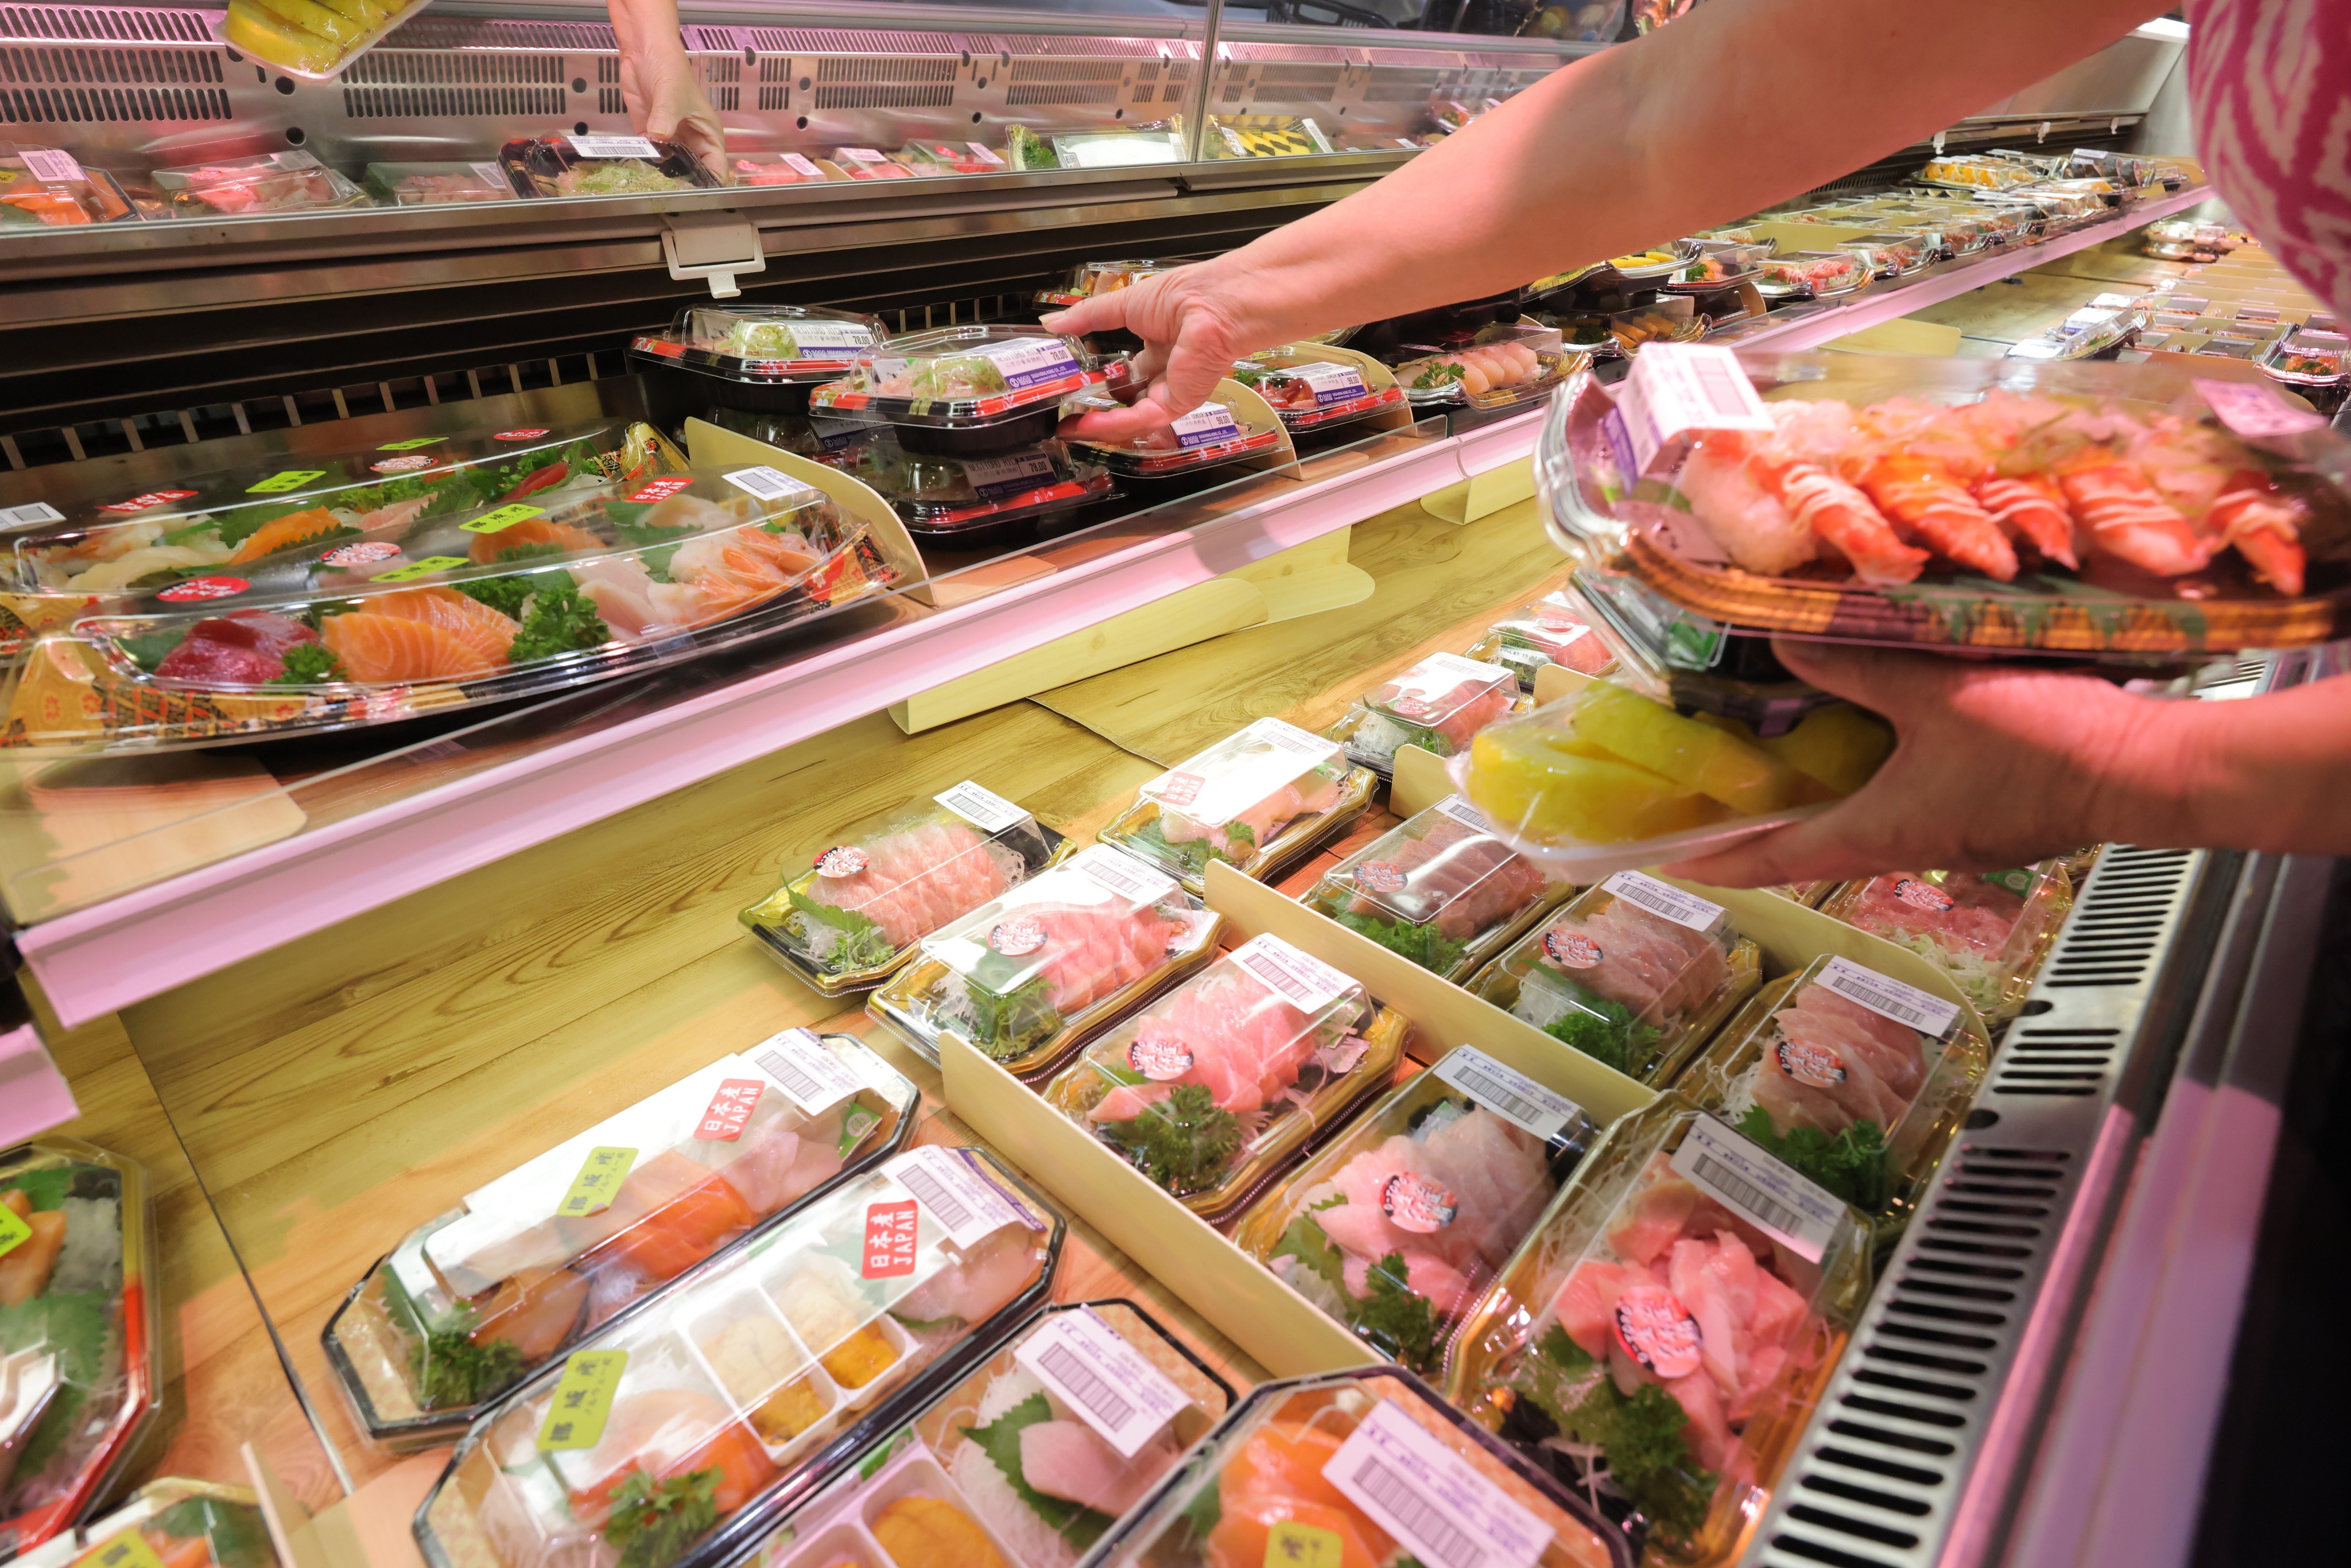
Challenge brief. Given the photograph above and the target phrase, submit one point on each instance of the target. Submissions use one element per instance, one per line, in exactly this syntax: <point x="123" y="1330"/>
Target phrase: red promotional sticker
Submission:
<point x="1379" y="876"/>
<point x="730" y="1110"/>
<point x="1572" y="949"/>
<point x="1017" y="937"/>
<point x="1657" y="1332"/>
<point x="1809" y="1063"/>
<point x="151" y="498"/>
<point x="848" y="860"/>
<point x="1410" y="707"/>
<point x="1923" y="895"/>
<point x="662" y="489"/>
<point x="1180" y="789"/>
<point x="1414" y="1203"/>
<point x="889" y="1239"/>
<point x="204" y="587"/>
<point x="359" y="554"/>
<point x="519" y="435"/>
<point x="1159" y="1055"/>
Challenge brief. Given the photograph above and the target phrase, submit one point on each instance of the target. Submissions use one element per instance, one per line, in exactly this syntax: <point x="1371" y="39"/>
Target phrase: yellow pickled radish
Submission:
<point x="1550" y="786"/>
<point x="1840" y="745"/>
<point x="370" y="13"/>
<point x="1698" y="756"/>
<point x="333" y="27"/>
<point x="253" y="32"/>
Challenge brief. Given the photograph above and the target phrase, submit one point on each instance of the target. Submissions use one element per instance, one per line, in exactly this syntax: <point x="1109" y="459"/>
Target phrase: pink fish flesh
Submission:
<point x="917" y="879"/>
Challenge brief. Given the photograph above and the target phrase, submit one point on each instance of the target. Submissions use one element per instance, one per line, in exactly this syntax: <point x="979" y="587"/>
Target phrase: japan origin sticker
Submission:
<point x="662" y="489"/>
<point x="204" y="587"/>
<point x="1657" y="1331"/>
<point x="889" y="1251"/>
<point x="1379" y="876"/>
<point x="843" y="860"/>
<point x="1412" y="1202"/>
<point x="1808" y="1061"/>
<point x="1159" y="1055"/>
<point x="730" y="1110"/>
<point x="151" y="499"/>
<point x="359" y="554"/>
<point x="1572" y="949"/>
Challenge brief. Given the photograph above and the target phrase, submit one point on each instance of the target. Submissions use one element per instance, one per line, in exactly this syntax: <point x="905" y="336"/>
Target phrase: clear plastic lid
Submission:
<point x="1635" y="973"/>
<point x="1217" y="1085"/>
<point x="2300" y="355"/>
<point x="1264" y="136"/>
<point x="937" y="493"/>
<point x="1308" y="392"/>
<point x="855" y="912"/>
<point x="965" y="377"/>
<point x="1553" y="630"/>
<point x="1818" y="273"/>
<point x="1889" y="255"/>
<point x="1437" y="704"/>
<point x="472" y="1302"/>
<point x="951" y="158"/>
<point x="1210" y="436"/>
<point x="1685" y="1293"/>
<point x="1118" y="149"/>
<point x="1438" y="889"/>
<point x="435" y="184"/>
<point x="764" y="345"/>
<point x="1357" y="1469"/>
<point x="1251" y="801"/>
<point x="1509" y="366"/>
<point x="1719" y="265"/>
<point x="754" y="1382"/>
<point x="1977" y="173"/>
<point x="1395" y="1228"/>
<point x="1027" y="1460"/>
<point x="781" y="169"/>
<point x="255" y="185"/>
<point x="1026" y="975"/>
<point x="1989" y="931"/>
<point x="48" y="187"/>
<point x="1088" y="278"/>
<point x="868" y="163"/>
<point x="1606" y="778"/>
<point x="562" y="165"/>
<point x="185" y="1523"/>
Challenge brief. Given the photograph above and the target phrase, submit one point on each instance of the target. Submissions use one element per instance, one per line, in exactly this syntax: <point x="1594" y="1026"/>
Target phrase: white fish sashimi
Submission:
<point x="1753" y="527"/>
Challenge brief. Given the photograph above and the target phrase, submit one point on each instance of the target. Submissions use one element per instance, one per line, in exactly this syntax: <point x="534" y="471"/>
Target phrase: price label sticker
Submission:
<point x="287" y="479"/>
<point x="985" y="153"/>
<point x="14" y="1230"/>
<point x="1906" y="1005"/>
<point x="1026" y="363"/>
<point x="128" y="1550"/>
<point x="1331" y="382"/>
<point x="1105" y="1380"/>
<point x="424" y="565"/>
<point x="863" y="155"/>
<point x="54" y="166"/>
<point x="1463" y="812"/>
<point x="2256" y="411"/>
<point x="799" y="165"/>
<point x="1508" y="1092"/>
<point x="1430" y="1499"/>
<point x="1665" y="901"/>
<point x="891" y="1240"/>
<point x="729" y="1111"/>
<point x="613" y="147"/>
<point x="412" y="443"/>
<point x="1207" y="425"/>
<point x="1306" y="982"/>
<point x="807" y="1071"/>
<point x="599" y="1177"/>
<point x="1676" y="389"/>
<point x="1123" y="874"/>
<point x="767" y="483"/>
<point x="582" y="1401"/>
<point x="1291" y="1544"/>
<point x="983" y="809"/>
<point x="503" y="518"/>
<point x="965" y="1204"/>
<point x="31" y="514"/>
<point x="1799" y="1215"/>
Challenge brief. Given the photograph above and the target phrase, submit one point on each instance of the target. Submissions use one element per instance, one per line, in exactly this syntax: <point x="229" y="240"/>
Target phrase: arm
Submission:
<point x="1999" y="766"/>
<point x="658" y="81"/>
<point x="1730" y="109"/>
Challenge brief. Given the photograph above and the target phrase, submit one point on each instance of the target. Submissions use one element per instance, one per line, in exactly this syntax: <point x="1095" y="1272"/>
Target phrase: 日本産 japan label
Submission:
<point x="1664" y="900"/>
<point x="1463" y="812"/>
<point x="1206" y="425"/>
<point x="582" y="1401"/>
<point x="983" y="809"/>
<point x="1310" y="983"/>
<point x="891" y="1240"/>
<point x="1120" y="1394"/>
<point x="29" y="514"/>
<point x="1123" y="874"/>
<point x="1508" y="1092"/>
<point x="613" y="147"/>
<point x="289" y="479"/>
<point x="662" y="489"/>
<point x="196" y="588"/>
<point x="424" y="566"/>
<point x="805" y="1068"/>
<point x="51" y="164"/>
<point x="1430" y="1499"/>
<point x="730" y="1108"/>
<point x="1889" y="999"/>
<point x="600" y="1175"/>
<point x="1752" y="1184"/>
<point x="502" y="518"/>
<point x="965" y="1204"/>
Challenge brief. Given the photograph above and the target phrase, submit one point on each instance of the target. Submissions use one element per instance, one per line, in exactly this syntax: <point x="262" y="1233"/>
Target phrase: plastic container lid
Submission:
<point x="1438" y="889"/>
<point x="959" y="378"/>
<point x="1255" y="800"/>
<point x="868" y="163"/>
<point x="763" y="345"/>
<point x="434" y="184"/>
<point x="1088" y="278"/>
<point x="1118" y="149"/>
<point x="474" y="1301"/>
<point x="1310" y="393"/>
<point x="1218" y="1084"/>
<point x="938" y="494"/>
<point x="750" y="1386"/>
<point x="781" y="169"/>
<point x="951" y="158"/>
<point x="258" y="185"/>
<point x="1814" y="274"/>
<point x="1210" y="437"/>
<point x="1264" y="136"/>
<point x="857" y="910"/>
<point x="561" y="164"/>
<point x="1028" y="975"/>
<point x="1437" y="704"/>
<point x="1988" y="931"/>
<point x="47" y="187"/>
<point x="1395" y="1226"/>
<point x="1553" y="630"/>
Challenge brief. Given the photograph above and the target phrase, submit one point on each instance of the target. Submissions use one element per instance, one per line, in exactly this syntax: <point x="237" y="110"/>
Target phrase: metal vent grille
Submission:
<point x="103" y="24"/>
<point x="471" y="33"/>
<point x="810" y="41"/>
<point x="884" y="70"/>
<point x="885" y="97"/>
<point x="2112" y="937"/>
<point x="1049" y="44"/>
<point x="1033" y="70"/>
<point x="1299" y="81"/>
<point x="1035" y="96"/>
<point x="402" y="83"/>
<point x="87" y="85"/>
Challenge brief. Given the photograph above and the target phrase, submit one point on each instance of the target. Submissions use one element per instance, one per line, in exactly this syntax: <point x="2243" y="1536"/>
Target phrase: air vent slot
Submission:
<point x="1039" y="70"/>
<point x="1315" y="83"/>
<point x="104" y="24"/>
<point x="82" y="86"/>
<point x="405" y="83"/>
<point x="885" y="95"/>
<point x="1032" y="95"/>
<point x="469" y="33"/>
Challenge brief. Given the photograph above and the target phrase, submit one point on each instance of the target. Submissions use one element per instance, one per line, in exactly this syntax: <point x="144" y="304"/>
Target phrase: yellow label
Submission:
<point x="599" y="1177"/>
<point x="291" y="479"/>
<point x="13" y="1231"/>
<point x="424" y="568"/>
<point x="128" y="1550"/>
<point x="412" y="443"/>
<point x="583" y="1399"/>
<point x="503" y="518"/>
<point x="1293" y="1545"/>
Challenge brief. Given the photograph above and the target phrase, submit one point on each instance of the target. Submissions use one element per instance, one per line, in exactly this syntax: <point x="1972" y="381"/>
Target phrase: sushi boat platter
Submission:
<point x="474" y="1301"/>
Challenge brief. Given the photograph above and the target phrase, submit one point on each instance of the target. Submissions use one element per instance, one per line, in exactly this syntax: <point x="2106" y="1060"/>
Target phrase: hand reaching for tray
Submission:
<point x="1190" y="340"/>
<point x="658" y="85"/>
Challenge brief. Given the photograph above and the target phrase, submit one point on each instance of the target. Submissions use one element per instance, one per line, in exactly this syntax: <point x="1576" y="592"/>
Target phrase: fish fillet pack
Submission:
<point x="1437" y="705"/>
<point x="1553" y="630"/>
<point x="759" y="359"/>
<point x="477" y="1298"/>
<point x="1440" y="890"/>
<point x="962" y="391"/>
<point x="1988" y="931"/>
<point x="1256" y="799"/>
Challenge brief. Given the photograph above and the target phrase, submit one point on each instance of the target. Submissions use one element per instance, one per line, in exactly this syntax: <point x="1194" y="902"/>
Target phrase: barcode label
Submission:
<point x="1463" y="812"/>
<point x="1887" y="997"/>
<point x="805" y="1070"/>
<point x="613" y="147"/>
<point x="1508" y="1092"/>
<point x="1107" y="1380"/>
<point x="1664" y="900"/>
<point x="1799" y="1215"/>
<point x="1431" y="1499"/>
<point x="1206" y="425"/>
<point x="983" y="809"/>
<point x="55" y="167"/>
<point x="1308" y="983"/>
<point x="965" y="1204"/>
<point x="29" y="515"/>
<point x="767" y="483"/>
<point x="1123" y="874"/>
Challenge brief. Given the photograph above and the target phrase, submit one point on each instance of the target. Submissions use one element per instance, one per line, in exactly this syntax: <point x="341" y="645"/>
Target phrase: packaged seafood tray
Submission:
<point x="524" y="1270"/>
<point x="185" y="1523"/>
<point x="2076" y="506"/>
<point x="1218" y="1086"/>
<point x="1395" y="1228"/>
<point x="834" y="443"/>
<point x="1118" y="149"/>
<point x="1635" y="973"/>
<point x="1650" y="264"/>
<point x="1089" y="279"/>
<point x="1257" y="799"/>
<point x="762" y="359"/>
<point x="863" y="906"/>
<point x="867" y="163"/>
<point x="1024" y="148"/>
<point x="1437" y="889"/>
<point x="1715" y="265"/>
<point x="783" y="168"/>
<point x="562" y="165"/>
<point x="1437" y="704"/>
<point x="1355" y="1468"/>
<point x="1811" y="275"/>
<point x="259" y="185"/>
<point x="1889" y="255"/>
<point x="951" y="158"/>
<point x="1310" y="390"/>
<point x="1210" y="437"/>
<point x="1606" y="779"/>
<point x="535" y="598"/>
<point x="1028" y="975"/>
<point x="1554" y="630"/>
<point x="1673" y="319"/>
<point x="682" y="1437"/>
<point x="313" y="39"/>
<point x="970" y="500"/>
<point x="1989" y="931"/>
<point x="1849" y="1078"/>
<point x="81" y="1360"/>
<point x="1506" y="367"/>
<point x="1977" y="173"/>
<point x="44" y="187"/>
<point x="1674" y="1317"/>
<point x="2303" y="357"/>
<point x="1028" y="1461"/>
<point x="958" y="392"/>
<point x="1264" y="136"/>
<point x="436" y="185"/>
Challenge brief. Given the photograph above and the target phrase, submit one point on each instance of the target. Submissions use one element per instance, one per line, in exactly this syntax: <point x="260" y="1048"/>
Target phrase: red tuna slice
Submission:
<point x="916" y="881"/>
<point x="1461" y="878"/>
<point x="243" y="648"/>
<point x="1978" y="919"/>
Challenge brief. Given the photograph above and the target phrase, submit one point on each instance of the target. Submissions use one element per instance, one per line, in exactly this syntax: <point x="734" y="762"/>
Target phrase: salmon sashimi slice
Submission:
<point x="284" y="533"/>
<point x="387" y="648"/>
<point x="534" y="535"/>
<point x="472" y="623"/>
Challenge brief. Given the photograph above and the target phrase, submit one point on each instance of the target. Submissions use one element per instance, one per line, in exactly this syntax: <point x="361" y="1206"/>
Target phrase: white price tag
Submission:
<point x="1906" y="1005"/>
<point x="805" y="1068"/>
<point x="1664" y="900"/>
<point x="1675" y="390"/>
<point x="1206" y="425"/>
<point x="1030" y="361"/>
<point x="1100" y="1376"/>
<point x="31" y="514"/>
<point x="983" y="809"/>
<point x="613" y="147"/>
<point x="965" y="1204"/>
<point x="2256" y="411"/>
<point x="1123" y="874"/>
<point x="1001" y="478"/>
<point x="1751" y="1183"/>
<point x="1463" y="812"/>
<point x="981" y="150"/>
<point x="1306" y="982"/>
<point x="1508" y="1092"/>
<point x="51" y="164"/>
<point x="767" y="483"/>
<point x="1289" y="738"/>
<point x="1430" y="1498"/>
<point x="807" y="335"/>
<point x="799" y="165"/>
<point x="1331" y="382"/>
<point x="864" y="154"/>
<point x="492" y="174"/>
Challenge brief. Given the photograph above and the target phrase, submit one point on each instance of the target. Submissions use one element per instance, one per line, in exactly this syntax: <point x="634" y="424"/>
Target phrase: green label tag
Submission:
<point x="14" y="1232"/>
<point x="424" y="568"/>
<point x="2019" y="883"/>
<point x="503" y="518"/>
<point x="855" y="1122"/>
<point x="1289" y="1545"/>
<point x="583" y="1398"/>
<point x="412" y="443"/>
<point x="599" y="1179"/>
<point x="128" y="1550"/>
<point x="291" y="479"/>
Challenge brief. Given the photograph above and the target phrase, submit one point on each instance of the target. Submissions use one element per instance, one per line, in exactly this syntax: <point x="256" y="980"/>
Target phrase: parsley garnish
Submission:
<point x="652" y="1523"/>
<point x="308" y="664"/>
<point x="1852" y="1164"/>
<point x="1182" y="1142"/>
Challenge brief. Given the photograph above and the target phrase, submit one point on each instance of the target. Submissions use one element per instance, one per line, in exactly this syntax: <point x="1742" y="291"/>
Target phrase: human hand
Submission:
<point x="1191" y="332"/>
<point x="663" y="99"/>
<point x="1995" y="766"/>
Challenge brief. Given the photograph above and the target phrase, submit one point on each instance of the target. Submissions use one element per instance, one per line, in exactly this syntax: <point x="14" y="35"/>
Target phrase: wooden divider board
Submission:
<point x="1483" y="495"/>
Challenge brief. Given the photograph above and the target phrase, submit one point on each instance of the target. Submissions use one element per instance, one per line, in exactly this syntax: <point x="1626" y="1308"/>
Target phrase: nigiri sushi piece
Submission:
<point x="2130" y="521"/>
<point x="2031" y="505"/>
<point x="1817" y="501"/>
<point x="1920" y="494"/>
<point x="2254" y="516"/>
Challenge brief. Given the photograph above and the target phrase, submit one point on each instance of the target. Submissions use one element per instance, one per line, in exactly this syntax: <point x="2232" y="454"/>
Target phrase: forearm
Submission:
<point x="642" y="27"/>
<point x="2262" y="773"/>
